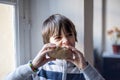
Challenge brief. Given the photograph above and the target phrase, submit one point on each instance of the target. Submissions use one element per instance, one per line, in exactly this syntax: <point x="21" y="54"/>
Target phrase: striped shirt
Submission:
<point x="60" y="70"/>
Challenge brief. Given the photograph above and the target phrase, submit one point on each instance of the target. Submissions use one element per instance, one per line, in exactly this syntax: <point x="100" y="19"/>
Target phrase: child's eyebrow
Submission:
<point x="56" y="35"/>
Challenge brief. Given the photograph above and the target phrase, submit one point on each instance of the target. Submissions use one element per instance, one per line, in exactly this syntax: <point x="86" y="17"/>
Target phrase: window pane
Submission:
<point x="7" y="48"/>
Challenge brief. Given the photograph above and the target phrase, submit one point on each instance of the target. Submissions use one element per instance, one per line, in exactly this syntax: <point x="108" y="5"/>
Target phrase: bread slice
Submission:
<point x="61" y="53"/>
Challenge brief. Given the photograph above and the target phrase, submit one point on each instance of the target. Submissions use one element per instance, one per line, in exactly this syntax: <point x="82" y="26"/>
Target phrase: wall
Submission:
<point x="97" y="25"/>
<point x="112" y="19"/>
<point x="39" y="12"/>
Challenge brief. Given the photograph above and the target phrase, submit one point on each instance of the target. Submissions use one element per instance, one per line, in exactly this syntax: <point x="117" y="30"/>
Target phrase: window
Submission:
<point x="7" y="39"/>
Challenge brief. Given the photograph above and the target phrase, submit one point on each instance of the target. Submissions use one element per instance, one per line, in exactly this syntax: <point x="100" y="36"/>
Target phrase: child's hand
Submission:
<point x="78" y="59"/>
<point x="41" y="59"/>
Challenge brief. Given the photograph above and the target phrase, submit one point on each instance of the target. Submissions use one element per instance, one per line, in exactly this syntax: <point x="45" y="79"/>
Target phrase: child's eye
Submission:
<point x="58" y="38"/>
<point x="70" y="34"/>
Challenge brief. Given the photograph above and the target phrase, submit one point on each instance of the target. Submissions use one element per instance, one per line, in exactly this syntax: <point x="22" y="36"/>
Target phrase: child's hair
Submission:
<point x="54" y="24"/>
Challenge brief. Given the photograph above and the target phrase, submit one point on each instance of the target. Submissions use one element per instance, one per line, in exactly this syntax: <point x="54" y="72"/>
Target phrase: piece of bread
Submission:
<point x="61" y="53"/>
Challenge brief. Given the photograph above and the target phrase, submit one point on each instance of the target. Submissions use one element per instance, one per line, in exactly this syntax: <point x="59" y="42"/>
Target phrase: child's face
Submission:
<point x="65" y="39"/>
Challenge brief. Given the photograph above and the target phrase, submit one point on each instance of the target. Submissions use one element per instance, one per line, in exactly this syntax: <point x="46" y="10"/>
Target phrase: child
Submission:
<point x="57" y="31"/>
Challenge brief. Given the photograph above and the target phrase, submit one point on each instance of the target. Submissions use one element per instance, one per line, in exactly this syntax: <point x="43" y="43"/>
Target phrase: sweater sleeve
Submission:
<point x="91" y="73"/>
<point x="21" y="73"/>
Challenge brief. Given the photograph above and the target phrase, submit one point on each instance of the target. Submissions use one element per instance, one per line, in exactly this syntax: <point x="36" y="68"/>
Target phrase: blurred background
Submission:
<point x="95" y="21"/>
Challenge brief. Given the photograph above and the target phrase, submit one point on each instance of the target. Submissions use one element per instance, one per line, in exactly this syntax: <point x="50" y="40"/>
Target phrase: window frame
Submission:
<point x="22" y="31"/>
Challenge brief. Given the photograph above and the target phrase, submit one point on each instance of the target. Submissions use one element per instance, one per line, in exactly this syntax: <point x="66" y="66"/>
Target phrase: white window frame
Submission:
<point x="23" y="53"/>
<point x="22" y="30"/>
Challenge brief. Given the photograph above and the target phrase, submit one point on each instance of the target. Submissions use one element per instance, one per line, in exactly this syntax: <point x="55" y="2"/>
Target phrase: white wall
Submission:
<point x="39" y="12"/>
<point x="97" y="25"/>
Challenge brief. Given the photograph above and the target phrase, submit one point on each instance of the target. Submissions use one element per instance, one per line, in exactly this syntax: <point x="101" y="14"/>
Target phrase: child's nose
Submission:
<point x="65" y="41"/>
